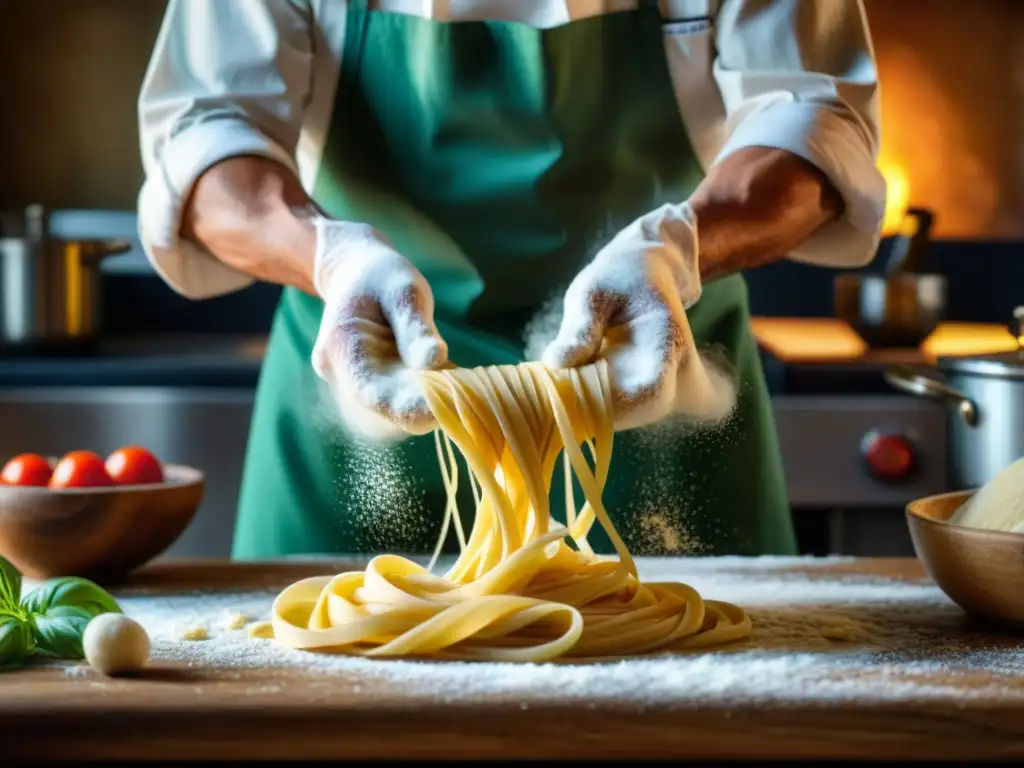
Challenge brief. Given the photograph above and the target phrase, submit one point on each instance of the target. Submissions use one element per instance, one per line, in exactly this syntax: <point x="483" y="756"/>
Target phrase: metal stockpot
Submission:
<point x="985" y="398"/>
<point x="50" y="287"/>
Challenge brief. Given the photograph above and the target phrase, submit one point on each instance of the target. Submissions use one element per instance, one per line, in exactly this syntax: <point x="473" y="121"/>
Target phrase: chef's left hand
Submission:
<point x="629" y="306"/>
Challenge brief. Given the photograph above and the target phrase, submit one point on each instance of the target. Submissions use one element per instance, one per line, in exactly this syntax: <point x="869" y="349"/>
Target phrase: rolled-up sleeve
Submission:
<point x="225" y="79"/>
<point x="800" y="75"/>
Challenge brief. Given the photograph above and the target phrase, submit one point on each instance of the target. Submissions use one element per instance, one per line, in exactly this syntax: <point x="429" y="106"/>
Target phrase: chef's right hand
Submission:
<point x="377" y="331"/>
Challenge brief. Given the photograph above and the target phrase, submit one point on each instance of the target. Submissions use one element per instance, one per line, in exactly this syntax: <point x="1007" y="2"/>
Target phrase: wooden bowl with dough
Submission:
<point x="982" y="571"/>
<point x="97" y="533"/>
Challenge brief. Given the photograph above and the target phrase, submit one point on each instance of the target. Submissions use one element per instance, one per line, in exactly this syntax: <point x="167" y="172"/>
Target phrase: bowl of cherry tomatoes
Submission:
<point x="82" y="514"/>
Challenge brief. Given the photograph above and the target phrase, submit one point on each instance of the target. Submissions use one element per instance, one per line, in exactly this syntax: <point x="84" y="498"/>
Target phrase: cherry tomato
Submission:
<point x="80" y="469"/>
<point x="26" y="469"/>
<point x="133" y="465"/>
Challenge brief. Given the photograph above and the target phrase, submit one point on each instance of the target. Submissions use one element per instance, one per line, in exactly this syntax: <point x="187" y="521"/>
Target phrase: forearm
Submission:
<point x="756" y="206"/>
<point x="253" y="215"/>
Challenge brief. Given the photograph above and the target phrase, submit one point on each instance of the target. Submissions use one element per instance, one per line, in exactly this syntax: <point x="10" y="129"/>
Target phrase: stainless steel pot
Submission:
<point x="50" y="287"/>
<point x="985" y="398"/>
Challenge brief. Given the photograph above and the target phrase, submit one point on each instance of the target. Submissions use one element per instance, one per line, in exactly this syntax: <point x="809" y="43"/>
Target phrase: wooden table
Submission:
<point x="176" y="711"/>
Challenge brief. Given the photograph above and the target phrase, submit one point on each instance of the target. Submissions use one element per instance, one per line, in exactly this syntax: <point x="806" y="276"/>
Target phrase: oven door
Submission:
<point x="847" y="489"/>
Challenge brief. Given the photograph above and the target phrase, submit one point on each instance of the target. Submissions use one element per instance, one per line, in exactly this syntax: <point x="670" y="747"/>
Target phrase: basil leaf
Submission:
<point x="58" y="633"/>
<point x="10" y="586"/>
<point x="16" y="642"/>
<point x="70" y="591"/>
<point x="59" y="612"/>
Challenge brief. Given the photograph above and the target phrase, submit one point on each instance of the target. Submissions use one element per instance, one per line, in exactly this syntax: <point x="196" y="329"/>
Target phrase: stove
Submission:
<point x="855" y="450"/>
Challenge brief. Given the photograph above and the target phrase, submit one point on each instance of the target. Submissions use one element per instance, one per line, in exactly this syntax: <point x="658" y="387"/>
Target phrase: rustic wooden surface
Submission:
<point x="182" y="712"/>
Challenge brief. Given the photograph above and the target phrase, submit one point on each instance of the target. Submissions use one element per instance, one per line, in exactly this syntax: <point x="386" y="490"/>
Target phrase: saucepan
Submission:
<point x="901" y="306"/>
<point x="50" y="287"/>
<point x="984" y="397"/>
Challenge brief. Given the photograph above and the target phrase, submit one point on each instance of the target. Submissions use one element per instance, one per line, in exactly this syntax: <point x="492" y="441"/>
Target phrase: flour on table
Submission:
<point x="817" y="637"/>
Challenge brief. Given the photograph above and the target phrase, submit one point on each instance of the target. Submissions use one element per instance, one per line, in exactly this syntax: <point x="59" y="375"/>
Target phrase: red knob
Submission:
<point x="890" y="457"/>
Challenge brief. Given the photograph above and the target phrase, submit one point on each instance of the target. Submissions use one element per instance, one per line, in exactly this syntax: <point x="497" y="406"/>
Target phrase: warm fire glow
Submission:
<point x="946" y="120"/>
<point x="897" y="197"/>
<point x="953" y="339"/>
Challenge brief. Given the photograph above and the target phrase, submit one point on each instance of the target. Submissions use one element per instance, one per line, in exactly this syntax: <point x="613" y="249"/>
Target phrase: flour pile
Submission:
<point x="817" y="637"/>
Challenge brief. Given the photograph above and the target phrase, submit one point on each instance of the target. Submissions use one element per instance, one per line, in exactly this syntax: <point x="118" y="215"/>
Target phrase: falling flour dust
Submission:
<point x="386" y="497"/>
<point x="817" y="636"/>
<point x="671" y="511"/>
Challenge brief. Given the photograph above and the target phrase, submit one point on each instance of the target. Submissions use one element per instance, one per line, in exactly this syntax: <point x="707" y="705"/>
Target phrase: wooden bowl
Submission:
<point x="981" y="571"/>
<point x="97" y="533"/>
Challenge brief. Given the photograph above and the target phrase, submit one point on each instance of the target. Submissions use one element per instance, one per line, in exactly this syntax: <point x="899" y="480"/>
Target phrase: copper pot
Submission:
<point x="50" y="287"/>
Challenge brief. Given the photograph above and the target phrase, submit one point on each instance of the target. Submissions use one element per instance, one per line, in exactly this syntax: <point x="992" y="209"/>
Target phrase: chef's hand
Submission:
<point x="629" y="306"/>
<point x="377" y="331"/>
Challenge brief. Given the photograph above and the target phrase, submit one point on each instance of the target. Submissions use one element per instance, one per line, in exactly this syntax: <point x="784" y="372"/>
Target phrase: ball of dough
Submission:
<point x="998" y="505"/>
<point x="114" y="643"/>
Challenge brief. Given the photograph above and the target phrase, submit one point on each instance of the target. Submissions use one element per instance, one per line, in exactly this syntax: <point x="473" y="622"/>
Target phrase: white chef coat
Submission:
<point x="234" y="77"/>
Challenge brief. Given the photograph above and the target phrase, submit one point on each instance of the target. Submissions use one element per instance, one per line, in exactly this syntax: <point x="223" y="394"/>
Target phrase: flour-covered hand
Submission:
<point x="629" y="306"/>
<point x="377" y="331"/>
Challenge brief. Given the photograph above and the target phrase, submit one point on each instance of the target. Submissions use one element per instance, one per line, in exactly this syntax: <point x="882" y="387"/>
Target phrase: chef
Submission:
<point x="478" y="182"/>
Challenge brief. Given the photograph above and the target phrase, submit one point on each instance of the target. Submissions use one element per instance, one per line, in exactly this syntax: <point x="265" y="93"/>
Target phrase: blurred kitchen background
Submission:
<point x="179" y="377"/>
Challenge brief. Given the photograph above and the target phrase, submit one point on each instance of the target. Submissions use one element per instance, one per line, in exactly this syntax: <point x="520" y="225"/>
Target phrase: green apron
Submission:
<point x="498" y="158"/>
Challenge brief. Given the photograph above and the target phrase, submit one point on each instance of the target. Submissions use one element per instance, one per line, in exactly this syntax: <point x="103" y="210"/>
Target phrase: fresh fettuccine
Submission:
<point x="526" y="587"/>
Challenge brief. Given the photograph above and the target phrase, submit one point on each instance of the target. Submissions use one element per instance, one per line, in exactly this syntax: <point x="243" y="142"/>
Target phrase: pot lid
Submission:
<point x="1006" y="365"/>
